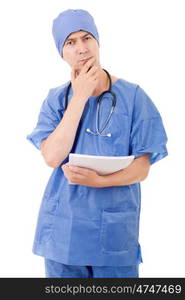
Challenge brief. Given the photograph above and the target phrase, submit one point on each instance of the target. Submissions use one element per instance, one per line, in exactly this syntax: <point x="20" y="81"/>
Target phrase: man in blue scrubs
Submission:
<point x="88" y="224"/>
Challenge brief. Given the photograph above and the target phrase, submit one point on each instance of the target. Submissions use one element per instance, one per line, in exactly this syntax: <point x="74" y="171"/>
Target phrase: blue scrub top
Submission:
<point x="80" y="225"/>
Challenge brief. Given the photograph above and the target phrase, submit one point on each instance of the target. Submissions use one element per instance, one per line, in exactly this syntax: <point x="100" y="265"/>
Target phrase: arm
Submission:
<point x="135" y="172"/>
<point x="59" y="143"/>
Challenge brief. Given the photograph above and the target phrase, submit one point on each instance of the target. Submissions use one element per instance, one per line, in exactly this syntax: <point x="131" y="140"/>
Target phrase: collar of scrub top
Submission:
<point x="99" y="99"/>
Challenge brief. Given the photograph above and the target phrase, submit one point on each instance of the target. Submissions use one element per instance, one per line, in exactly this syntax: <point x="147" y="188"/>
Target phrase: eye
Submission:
<point x="69" y="43"/>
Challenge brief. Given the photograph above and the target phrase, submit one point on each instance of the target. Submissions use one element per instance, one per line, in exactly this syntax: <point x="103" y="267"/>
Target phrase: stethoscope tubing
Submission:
<point x="99" y="99"/>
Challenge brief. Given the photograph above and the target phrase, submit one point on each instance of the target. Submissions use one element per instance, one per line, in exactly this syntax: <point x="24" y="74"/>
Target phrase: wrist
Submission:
<point x="79" y="99"/>
<point x="103" y="181"/>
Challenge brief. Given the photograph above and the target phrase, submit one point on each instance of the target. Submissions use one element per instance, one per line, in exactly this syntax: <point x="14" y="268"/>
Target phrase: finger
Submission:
<point x="76" y="177"/>
<point x="71" y="182"/>
<point x="93" y="70"/>
<point x="68" y="174"/>
<point x="66" y="170"/>
<point x="95" y="77"/>
<point x="87" y="65"/>
<point x="74" y="72"/>
<point x="79" y="170"/>
<point x="73" y="75"/>
<point x="78" y="68"/>
<point x="75" y="169"/>
<point x="64" y="165"/>
<point x="94" y="73"/>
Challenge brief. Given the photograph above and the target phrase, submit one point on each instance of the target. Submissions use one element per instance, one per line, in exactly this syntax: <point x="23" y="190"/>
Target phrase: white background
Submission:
<point x="141" y="41"/>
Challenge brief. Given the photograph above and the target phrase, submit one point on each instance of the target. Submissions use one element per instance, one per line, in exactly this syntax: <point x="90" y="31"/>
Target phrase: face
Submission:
<point x="78" y="47"/>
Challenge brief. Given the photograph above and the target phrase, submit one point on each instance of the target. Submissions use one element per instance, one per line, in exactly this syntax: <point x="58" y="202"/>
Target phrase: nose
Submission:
<point x="81" y="47"/>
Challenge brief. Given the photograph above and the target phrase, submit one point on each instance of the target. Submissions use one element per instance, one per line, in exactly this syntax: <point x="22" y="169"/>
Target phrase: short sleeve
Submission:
<point x="49" y="117"/>
<point x="148" y="134"/>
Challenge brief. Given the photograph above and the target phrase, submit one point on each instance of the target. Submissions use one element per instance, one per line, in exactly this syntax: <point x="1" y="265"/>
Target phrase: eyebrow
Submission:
<point x="72" y="39"/>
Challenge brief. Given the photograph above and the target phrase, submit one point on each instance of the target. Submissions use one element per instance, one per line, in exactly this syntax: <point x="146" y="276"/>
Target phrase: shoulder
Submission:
<point x="53" y="104"/>
<point x="125" y="91"/>
<point x="132" y="90"/>
<point x="59" y="90"/>
<point x="135" y="97"/>
<point x="124" y="85"/>
<point x="56" y="95"/>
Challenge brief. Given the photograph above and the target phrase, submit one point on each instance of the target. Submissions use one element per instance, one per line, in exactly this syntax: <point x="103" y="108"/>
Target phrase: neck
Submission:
<point x="102" y="84"/>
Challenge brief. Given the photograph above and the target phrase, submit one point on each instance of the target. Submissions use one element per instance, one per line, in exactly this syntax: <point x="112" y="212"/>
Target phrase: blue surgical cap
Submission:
<point x="70" y="21"/>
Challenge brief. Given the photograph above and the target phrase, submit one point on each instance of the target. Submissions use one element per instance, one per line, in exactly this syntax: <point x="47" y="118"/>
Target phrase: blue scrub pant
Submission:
<point x="59" y="270"/>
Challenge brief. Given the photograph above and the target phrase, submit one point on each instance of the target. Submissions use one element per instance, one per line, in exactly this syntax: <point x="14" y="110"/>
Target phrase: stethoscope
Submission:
<point x="99" y="100"/>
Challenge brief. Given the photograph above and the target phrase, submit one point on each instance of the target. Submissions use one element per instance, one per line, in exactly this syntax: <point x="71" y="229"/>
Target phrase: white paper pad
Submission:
<point x="102" y="164"/>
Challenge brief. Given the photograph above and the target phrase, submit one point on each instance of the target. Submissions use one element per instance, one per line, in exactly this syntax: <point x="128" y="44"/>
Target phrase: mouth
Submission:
<point x="85" y="58"/>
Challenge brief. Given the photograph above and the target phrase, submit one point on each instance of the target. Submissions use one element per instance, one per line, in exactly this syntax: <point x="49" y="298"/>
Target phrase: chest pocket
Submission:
<point x="119" y="129"/>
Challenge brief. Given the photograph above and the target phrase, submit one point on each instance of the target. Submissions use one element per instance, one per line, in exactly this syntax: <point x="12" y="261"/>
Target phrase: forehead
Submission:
<point x="77" y="34"/>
